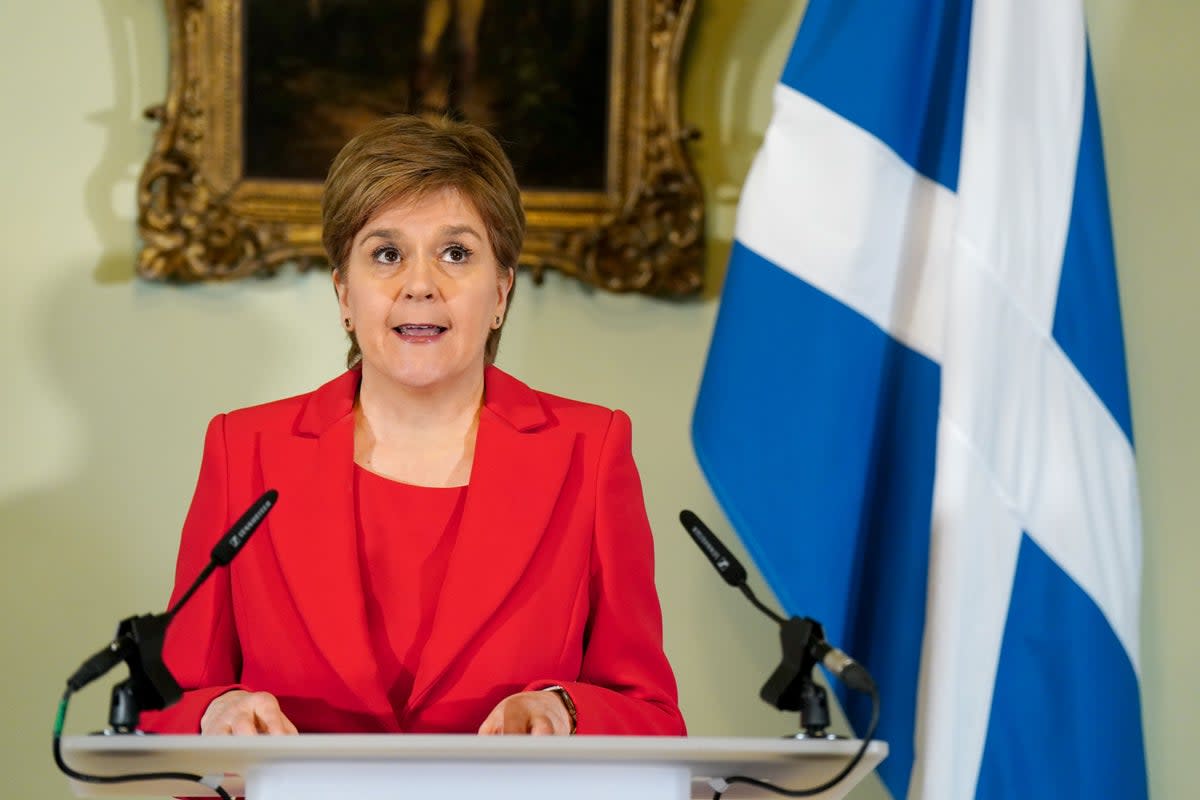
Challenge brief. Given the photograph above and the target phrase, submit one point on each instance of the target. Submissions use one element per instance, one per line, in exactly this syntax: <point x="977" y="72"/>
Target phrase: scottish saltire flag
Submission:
<point x="915" y="409"/>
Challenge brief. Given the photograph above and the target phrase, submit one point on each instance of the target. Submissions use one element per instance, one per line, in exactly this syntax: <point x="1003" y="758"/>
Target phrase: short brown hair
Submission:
<point x="407" y="158"/>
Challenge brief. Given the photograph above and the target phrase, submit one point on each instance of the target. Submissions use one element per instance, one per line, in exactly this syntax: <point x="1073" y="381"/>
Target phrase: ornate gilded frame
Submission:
<point x="200" y="219"/>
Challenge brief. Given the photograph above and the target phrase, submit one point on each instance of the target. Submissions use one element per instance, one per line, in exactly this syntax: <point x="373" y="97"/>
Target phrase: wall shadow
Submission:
<point x="137" y="42"/>
<point x="733" y="59"/>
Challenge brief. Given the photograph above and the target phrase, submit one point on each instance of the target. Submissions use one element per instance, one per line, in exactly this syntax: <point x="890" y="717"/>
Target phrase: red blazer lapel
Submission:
<point x="521" y="461"/>
<point x="312" y="468"/>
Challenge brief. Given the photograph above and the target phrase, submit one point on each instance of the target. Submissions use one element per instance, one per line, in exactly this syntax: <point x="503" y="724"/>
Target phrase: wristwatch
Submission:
<point x="568" y="702"/>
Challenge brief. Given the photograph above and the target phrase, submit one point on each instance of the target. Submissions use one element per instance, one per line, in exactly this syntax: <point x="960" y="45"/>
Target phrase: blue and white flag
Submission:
<point x="915" y="409"/>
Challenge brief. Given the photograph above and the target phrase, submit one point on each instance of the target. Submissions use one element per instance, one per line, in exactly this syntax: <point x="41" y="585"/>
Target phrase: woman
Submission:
<point x="452" y="551"/>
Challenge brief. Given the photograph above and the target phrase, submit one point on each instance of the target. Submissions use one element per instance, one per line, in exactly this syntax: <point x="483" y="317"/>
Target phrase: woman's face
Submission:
<point x="422" y="291"/>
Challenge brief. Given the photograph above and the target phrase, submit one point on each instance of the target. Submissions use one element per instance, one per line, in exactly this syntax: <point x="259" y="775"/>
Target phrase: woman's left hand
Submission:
<point x="536" y="713"/>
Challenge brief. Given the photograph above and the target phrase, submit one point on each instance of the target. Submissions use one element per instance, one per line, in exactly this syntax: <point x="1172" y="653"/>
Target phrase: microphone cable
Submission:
<point x="60" y="719"/>
<point x="721" y="785"/>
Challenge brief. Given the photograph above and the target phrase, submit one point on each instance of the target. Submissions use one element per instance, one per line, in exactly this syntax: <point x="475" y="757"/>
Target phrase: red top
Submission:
<point x="550" y="579"/>
<point x="405" y="535"/>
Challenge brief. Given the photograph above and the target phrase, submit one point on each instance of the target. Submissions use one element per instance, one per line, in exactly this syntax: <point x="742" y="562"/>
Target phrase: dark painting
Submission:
<point x="534" y="72"/>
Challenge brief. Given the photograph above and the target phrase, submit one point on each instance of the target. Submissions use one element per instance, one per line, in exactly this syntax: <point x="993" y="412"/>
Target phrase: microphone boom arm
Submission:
<point x="791" y="686"/>
<point x="139" y="640"/>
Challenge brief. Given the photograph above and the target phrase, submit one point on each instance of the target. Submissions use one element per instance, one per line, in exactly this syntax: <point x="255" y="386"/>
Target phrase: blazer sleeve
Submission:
<point x="625" y="685"/>
<point x="201" y="648"/>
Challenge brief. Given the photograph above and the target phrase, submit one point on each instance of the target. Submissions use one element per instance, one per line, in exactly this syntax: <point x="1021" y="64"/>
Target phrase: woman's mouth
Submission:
<point x="419" y="333"/>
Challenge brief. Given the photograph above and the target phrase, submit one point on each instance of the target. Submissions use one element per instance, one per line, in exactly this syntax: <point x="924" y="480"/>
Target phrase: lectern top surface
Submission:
<point x="675" y="749"/>
<point x="785" y="761"/>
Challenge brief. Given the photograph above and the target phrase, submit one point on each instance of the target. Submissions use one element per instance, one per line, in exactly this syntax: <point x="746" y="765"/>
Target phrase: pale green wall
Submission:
<point x="108" y="382"/>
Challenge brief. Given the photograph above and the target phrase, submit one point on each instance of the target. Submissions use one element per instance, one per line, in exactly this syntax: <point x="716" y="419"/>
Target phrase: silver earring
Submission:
<point x="346" y="322"/>
<point x="497" y="321"/>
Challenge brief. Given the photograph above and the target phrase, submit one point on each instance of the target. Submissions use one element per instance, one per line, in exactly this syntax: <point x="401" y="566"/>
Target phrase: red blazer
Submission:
<point x="551" y="580"/>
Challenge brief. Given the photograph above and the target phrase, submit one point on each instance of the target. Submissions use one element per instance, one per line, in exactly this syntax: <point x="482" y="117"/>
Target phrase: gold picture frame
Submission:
<point x="201" y="218"/>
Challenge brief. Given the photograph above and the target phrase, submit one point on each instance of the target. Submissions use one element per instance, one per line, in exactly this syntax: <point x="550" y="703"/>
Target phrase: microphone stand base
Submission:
<point x="821" y="736"/>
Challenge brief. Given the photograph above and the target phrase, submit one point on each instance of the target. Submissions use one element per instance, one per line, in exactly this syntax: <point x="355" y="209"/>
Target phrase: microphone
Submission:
<point x="722" y="560"/>
<point x="139" y="643"/>
<point x="791" y="686"/>
<point x="231" y="543"/>
<point x="146" y="631"/>
<point x="726" y="565"/>
<point x="838" y="663"/>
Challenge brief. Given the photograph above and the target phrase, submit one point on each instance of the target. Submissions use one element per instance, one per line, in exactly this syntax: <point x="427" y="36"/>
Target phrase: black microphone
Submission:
<point x="842" y="666"/>
<point x="147" y="629"/>
<point x="729" y="567"/>
<point x="231" y="543"/>
<point x="791" y="686"/>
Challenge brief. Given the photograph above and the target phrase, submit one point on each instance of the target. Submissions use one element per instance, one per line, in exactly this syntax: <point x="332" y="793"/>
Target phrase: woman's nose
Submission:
<point x="420" y="280"/>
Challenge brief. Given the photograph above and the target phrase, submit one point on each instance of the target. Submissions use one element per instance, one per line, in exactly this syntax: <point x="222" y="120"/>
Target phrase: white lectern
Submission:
<point x="364" y="767"/>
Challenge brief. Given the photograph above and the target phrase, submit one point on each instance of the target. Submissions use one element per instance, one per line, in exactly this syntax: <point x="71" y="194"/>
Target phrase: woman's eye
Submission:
<point x="386" y="255"/>
<point x="456" y="254"/>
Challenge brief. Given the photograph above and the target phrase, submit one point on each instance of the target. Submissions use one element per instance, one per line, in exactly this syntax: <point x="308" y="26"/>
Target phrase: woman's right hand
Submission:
<point x="241" y="713"/>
